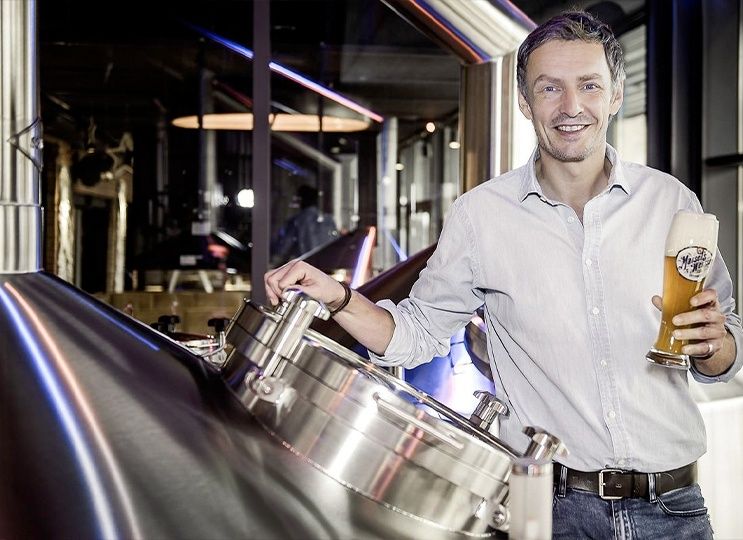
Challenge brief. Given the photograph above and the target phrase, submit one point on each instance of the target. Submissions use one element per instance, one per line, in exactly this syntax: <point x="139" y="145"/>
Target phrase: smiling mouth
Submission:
<point x="571" y="128"/>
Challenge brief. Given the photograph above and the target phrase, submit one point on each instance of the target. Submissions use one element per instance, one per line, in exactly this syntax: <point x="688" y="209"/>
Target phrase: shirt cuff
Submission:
<point x="398" y="350"/>
<point x="729" y="373"/>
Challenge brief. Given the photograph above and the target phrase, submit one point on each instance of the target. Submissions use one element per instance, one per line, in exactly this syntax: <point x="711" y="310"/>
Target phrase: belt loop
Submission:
<point x="651" y="488"/>
<point x="562" y="486"/>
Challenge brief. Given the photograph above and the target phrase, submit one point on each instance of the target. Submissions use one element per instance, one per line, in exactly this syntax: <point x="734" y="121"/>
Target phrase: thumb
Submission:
<point x="658" y="302"/>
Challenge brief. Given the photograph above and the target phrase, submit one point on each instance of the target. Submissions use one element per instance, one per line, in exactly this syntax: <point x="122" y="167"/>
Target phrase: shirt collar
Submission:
<point x="530" y="185"/>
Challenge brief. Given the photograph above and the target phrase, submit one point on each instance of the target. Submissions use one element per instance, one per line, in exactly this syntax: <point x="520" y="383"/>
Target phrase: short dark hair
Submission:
<point x="308" y="196"/>
<point x="571" y="26"/>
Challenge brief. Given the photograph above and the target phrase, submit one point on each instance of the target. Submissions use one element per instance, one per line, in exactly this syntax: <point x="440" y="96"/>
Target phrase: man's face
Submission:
<point x="570" y="98"/>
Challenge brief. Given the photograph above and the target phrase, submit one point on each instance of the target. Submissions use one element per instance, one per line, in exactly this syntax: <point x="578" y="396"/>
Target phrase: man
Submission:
<point x="566" y="256"/>
<point x="306" y="230"/>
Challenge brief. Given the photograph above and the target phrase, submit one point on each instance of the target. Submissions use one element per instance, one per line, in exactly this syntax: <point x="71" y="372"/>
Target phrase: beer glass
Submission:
<point x="691" y="246"/>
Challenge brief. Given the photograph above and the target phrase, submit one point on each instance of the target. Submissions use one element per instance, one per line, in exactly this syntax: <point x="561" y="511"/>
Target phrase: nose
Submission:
<point x="571" y="104"/>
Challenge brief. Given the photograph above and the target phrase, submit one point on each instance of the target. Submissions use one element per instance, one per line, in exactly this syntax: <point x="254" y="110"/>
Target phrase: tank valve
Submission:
<point x="543" y="445"/>
<point x="219" y="324"/>
<point x="297" y="311"/>
<point x="487" y="410"/>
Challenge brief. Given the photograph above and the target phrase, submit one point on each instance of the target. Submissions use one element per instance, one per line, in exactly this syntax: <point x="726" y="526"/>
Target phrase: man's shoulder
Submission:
<point x="505" y="186"/>
<point x="649" y="178"/>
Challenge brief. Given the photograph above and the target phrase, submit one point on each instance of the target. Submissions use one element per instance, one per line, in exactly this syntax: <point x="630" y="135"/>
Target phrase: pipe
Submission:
<point x="20" y="140"/>
<point x="475" y="31"/>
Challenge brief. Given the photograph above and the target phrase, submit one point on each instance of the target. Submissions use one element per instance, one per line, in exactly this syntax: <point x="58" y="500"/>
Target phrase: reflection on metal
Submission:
<point x="117" y="240"/>
<point x="111" y="430"/>
<point x="55" y="372"/>
<point x="480" y="122"/>
<point x="367" y="430"/>
<point x="475" y="340"/>
<point x="362" y="269"/>
<point x="474" y="31"/>
<point x="65" y="224"/>
<point x="387" y="196"/>
<point x="20" y="140"/>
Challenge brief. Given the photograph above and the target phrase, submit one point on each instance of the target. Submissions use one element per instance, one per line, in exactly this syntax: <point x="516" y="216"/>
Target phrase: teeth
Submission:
<point x="570" y="128"/>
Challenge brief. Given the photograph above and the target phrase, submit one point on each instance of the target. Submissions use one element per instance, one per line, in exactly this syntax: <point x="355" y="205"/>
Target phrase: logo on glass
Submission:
<point x="693" y="262"/>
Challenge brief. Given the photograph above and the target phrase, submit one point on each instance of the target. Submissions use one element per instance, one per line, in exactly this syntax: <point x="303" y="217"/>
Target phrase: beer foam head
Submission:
<point x="692" y="229"/>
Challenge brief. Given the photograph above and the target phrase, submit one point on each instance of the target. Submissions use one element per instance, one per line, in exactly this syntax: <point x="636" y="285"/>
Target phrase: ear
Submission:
<point x="524" y="106"/>
<point x="617" y="99"/>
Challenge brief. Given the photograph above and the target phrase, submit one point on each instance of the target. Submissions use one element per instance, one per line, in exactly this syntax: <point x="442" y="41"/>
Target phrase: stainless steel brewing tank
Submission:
<point x="381" y="438"/>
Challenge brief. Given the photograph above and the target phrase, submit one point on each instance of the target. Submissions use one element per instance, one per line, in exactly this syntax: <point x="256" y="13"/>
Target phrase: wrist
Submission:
<point x="341" y="302"/>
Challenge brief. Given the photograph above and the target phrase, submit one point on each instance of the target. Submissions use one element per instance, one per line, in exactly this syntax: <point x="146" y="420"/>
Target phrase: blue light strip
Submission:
<point x="291" y="74"/>
<point x="63" y="410"/>
<point x="400" y="252"/>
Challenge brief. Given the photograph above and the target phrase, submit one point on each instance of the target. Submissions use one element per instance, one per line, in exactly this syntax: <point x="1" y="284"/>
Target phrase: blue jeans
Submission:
<point x="674" y="515"/>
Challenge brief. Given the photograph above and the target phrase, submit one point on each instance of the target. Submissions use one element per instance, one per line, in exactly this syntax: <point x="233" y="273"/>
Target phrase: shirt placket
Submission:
<point x="599" y="332"/>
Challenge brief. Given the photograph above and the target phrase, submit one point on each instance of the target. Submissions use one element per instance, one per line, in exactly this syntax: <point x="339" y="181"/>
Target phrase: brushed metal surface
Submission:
<point x="109" y="429"/>
<point x="366" y="429"/>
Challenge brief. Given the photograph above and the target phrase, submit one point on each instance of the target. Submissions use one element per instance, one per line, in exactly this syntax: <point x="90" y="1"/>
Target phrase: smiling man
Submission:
<point x="565" y="255"/>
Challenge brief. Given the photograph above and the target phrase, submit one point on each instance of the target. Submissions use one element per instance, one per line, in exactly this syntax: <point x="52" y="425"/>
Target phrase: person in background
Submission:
<point x="565" y="254"/>
<point x="304" y="231"/>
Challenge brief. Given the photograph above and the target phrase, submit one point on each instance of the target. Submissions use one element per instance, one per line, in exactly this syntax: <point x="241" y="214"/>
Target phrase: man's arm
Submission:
<point x="371" y="325"/>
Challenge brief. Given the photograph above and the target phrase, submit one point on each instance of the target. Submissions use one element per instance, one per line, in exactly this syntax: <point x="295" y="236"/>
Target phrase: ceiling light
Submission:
<point x="245" y="198"/>
<point x="454" y="145"/>
<point x="278" y="122"/>
<point x="399" y="166"/>
<point x="430" y="127"/>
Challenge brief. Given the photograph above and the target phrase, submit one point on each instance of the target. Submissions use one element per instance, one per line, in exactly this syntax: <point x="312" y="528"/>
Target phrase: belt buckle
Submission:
<point x="601" y="485"/>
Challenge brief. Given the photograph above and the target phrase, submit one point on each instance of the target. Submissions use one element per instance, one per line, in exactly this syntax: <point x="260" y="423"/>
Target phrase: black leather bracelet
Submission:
<point x="346" y="298"/>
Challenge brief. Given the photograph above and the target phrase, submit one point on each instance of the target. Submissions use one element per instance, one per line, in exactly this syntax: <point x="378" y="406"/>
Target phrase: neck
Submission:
<point x="574" y="183"/>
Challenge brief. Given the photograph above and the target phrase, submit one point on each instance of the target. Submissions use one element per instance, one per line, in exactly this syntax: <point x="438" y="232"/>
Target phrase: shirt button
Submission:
<point x="571" y="219"/>
<point x="595" y="311"/>
<point x="611" y="414"/>
<point x="603" y="363"/>
<point x="589" y="262"/>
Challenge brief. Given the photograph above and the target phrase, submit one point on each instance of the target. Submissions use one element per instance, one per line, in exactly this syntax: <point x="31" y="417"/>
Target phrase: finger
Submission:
<point x="707" y="296"/>
<point x="700" y="333"/>
<point x="272" y="280"/>
<point x="709" y="315"/>
<point x="658" y="302"/>
<point x="296" y="274"/>
<point x="271" y="295"/>
<point x="703" y="349"/>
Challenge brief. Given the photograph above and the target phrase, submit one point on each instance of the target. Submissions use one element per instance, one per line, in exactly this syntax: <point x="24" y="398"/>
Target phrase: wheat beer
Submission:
<point x="691" y="246"/>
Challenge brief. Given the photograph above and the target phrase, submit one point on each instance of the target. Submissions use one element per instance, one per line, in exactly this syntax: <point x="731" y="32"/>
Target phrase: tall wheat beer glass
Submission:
<point x="691" y="246"/>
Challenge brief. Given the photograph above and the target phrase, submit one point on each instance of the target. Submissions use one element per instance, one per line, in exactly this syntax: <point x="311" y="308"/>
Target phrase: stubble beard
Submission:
<point x="565" y="157"/>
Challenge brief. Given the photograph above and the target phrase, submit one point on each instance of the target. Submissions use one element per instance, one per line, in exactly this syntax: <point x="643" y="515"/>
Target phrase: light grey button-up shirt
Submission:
<point x="569" y="314"/>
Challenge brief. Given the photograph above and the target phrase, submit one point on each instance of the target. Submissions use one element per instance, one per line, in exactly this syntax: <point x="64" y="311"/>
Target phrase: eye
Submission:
<point x="591" y="86"/>
<point x="549" y="88"/>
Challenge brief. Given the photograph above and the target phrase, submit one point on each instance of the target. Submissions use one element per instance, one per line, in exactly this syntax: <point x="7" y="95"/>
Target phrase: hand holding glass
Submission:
<point x="691" y="246"/>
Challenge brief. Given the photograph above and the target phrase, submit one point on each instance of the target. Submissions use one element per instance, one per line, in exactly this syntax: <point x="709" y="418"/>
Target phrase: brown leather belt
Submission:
<point x="617" y="484"/>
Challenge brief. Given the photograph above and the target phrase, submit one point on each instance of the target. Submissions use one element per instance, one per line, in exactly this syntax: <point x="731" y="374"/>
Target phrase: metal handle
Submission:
<point x="420" y="396"/>
<point x="387" y="407"/>
<point x="487" y="410"/>
<point x="543" y="444"/>
<point x="297" y="310"/>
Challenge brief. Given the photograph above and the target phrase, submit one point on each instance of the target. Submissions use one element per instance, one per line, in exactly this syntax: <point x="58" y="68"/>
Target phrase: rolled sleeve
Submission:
<point x="442" y="300"/>
<point x="399" y="351"/>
